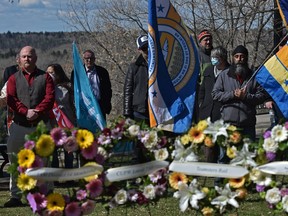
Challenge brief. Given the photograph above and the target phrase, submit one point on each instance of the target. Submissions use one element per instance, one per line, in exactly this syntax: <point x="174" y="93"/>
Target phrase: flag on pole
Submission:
<point x="88" y="112"/>
<point x="283" y="10"/>
<point x="273" y="77"/>
<point x="173" y="68"/>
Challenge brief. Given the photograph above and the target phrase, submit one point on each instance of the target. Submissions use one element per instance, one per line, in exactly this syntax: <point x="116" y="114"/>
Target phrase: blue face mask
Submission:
<point x="214" y="61"/>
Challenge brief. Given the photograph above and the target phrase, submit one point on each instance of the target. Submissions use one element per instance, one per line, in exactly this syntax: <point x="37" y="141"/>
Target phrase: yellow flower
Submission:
<point x="84" y="138"/>
<point x="207" y="211"/>
<point x="26" y="158"/>
<point x="196" y="135"/>
<point x="45" y="145"/>
<point x="208" y="142"/>
<point x="242" y="193"/>
<point x="231" y="152"/>
<point x="202" y="125"/>
<point x="55" y="202"/>
<point x="25" y="182"/>
<point x="237" y="183"/>
<point x="176" y="177"/>
<point x="235" y="137"/>
<point x="205" y="190"/>
<point x="185" y="139"/>
<point x="232" y="128"/>
<point x="90" y="178"/>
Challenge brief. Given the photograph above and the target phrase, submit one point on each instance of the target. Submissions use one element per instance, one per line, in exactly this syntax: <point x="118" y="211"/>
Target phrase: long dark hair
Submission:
<point x="61" y="76"/>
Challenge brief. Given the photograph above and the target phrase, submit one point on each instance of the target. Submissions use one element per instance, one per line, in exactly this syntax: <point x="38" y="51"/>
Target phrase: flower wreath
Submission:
<point x="272" y="147"/>
<point x="92" y="151"/>
<point x="194" y="191"/>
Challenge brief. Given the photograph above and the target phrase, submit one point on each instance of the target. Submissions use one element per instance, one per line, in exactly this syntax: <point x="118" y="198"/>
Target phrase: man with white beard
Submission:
<point x="238" y="96"/>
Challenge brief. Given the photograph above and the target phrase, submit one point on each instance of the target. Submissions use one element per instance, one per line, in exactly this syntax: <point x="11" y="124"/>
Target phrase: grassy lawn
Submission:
<point x="253" y="206"/>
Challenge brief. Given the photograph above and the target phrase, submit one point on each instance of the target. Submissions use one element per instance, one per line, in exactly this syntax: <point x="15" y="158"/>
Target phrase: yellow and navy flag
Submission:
<point x="88" y="112"/>
<point x="273" y="77"/>
<point x="173" y="68"/>
<point x="283" y="10"/>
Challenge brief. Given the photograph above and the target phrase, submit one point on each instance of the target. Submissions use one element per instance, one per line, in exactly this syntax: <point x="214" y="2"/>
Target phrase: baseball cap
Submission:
<point x="141" y="41"/>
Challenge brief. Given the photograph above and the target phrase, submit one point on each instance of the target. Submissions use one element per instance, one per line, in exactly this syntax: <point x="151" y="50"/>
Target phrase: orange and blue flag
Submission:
<point x="273" y="77"/>
<point x="283" y="10"/>
<point x="88" y="112"/>
<point x="173" y="68"/>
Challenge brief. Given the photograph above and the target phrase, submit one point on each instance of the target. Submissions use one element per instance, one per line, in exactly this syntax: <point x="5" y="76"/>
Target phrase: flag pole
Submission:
<point x="255" y="72"/>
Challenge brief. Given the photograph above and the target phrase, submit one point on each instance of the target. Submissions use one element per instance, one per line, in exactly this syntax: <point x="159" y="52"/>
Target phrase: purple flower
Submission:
<point x="270" y="156"/>
<point x="154" y="177"/>
<point x="163" y="142"/>
<point x="38" y="162"/>
<point x="21" y="169"/>
<point x="59" y="136"/>
<point x="132" y="195"/>
<point x="116" y="133"/>
<point x="29" y="144"/>
<point x="70" y="145"/>
<point x="284" y="192"/>
<point x="81" y="194"/>
<point x="260" y="188"/>
<point x="73" y="209"/>
<point x="104" y="140"/>
<point x="267" y="134"/>
<point x="95" y="188"/>
<point x="286" y="125"/>
<point x="160" y="189"/>
<point x="90" y="152"/>
<point x="36" y="201"/>
<point x="88" y="207"/>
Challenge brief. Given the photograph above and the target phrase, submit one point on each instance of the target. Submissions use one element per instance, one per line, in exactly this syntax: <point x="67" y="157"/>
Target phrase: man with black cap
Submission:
<point x="238" y="96"/>
<point x="136" y="84"/>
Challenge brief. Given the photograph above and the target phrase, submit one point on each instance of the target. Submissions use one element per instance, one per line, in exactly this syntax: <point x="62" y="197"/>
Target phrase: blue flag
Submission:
<point x="88" y="111"/>
<point x="173" y="68"/>
<point x="273" y="77"/>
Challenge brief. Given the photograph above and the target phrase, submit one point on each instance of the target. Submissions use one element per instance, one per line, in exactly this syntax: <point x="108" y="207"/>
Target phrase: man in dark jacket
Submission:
<point x="99" y="81"/>
<point x="238" y="96"/>
<point x="136" y="84"/>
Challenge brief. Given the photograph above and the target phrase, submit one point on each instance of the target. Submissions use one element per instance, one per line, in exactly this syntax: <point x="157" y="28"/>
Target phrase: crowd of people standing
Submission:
<point x="225" y="91"/>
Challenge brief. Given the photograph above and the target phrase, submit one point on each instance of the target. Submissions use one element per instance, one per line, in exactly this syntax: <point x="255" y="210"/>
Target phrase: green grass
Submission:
<point x="253" y="206"/>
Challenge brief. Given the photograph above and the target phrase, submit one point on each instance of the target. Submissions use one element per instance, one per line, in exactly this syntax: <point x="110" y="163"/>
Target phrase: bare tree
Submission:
<point x="110" y="27"/>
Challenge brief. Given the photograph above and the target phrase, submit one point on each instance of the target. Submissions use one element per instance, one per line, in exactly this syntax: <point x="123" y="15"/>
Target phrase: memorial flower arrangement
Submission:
<point x="192" y="192"/>
<point x="94" y="150"/>
<point x="37" y="153"/>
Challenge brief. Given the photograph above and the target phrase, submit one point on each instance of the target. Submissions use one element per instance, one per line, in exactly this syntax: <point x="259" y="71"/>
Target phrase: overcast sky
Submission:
<point x="32" y="15"/>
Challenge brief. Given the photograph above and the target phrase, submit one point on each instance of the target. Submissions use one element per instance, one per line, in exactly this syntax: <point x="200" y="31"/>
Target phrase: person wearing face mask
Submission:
<point x="239" y="97"/>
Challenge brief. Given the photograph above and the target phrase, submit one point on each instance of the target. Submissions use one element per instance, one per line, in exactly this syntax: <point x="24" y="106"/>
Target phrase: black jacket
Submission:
<point x="136" y="87"/>
<point x="105" y="89"/>
<point x="208" y="106"/>
<point x="8" y="72"/>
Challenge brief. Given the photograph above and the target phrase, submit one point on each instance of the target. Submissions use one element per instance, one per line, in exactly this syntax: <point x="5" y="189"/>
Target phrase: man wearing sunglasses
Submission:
<point x="136" y="84"/>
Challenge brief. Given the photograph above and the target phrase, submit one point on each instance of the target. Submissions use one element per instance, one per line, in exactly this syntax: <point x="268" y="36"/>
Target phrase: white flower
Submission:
<point x="161" y="154"/>
<point x="270" y="145"/>
<point x="226" y="197"/>
<point x="260" y="178"/>
<point x="244" y="157"/>
<point x="285" y="203"/>
<point x="182" y="154"/>
<point x="149" y="192"/>
<point x="273" y="196"/>
<point x="104" y="140"/>
<point x="279" y="133"/>
<point x="121" y="197"/>
<point x="102" y="152"/>
<point x="216" y="129"/>
<point x="134" y="130"/>
<point x="191" y="194"/>
<point x="152" y="140"/>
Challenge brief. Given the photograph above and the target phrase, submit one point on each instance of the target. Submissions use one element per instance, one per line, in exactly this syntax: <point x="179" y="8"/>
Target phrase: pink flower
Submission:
<point x="70" y="145"/>
<point x="286" y="125"/>
<point x="90" y="152"/>
<point x="59" y="136"/>
<point x="21" y="169"/>
<point x="95" y="188"/>
<point x="160" y="189"/>
<point x="88" y="207"/>
<point x="29" y="144"/>
<point x="36" y="201"/>
<point x="73" y="209"/>
<point x="81" y="194"/>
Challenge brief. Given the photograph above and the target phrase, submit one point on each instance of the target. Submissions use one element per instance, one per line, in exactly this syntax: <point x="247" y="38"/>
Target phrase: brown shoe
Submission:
<point x="13" y="202"/>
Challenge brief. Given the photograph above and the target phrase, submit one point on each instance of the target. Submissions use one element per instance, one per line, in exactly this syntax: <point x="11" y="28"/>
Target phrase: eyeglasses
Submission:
<point x="89" y="58"/>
